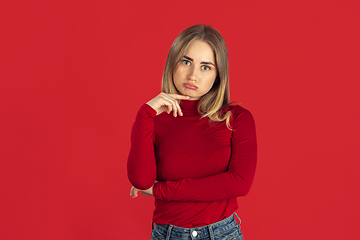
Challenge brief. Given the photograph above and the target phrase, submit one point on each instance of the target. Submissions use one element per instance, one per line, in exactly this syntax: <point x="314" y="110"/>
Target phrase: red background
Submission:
<point x="74" y="73"/>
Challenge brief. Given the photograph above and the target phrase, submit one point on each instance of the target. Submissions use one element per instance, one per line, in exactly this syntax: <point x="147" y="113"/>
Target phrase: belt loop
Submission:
<point x="238" y="218"/>
<point x="211" y="233"/>
<point x="168" y="234"/>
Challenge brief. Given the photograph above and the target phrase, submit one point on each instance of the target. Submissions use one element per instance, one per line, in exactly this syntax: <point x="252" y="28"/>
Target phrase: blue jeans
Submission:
<point x="222" y="230"/>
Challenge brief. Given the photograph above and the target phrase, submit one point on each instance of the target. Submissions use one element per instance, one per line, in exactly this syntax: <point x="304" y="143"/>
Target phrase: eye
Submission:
<point x="186" y="62"/>
<point x="206" y="68"/>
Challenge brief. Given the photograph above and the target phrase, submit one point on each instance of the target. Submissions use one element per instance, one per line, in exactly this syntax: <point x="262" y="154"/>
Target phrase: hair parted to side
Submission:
<point x="219" y="95"/>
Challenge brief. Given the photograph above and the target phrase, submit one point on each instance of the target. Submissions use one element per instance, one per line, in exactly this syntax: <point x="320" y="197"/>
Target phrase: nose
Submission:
<point x="192" y="74"/>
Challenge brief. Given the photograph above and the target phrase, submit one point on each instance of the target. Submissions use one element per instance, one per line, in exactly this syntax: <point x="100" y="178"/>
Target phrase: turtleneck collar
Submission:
<point x="189" y="105"/>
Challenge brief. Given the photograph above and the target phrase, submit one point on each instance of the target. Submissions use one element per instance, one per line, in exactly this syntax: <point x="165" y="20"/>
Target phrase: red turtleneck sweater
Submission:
<point x="201" y="165"/>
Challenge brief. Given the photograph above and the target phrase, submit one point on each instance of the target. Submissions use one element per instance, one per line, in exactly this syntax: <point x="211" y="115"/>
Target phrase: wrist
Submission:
<point x="155" y="189"/>
<point x="147" y="111"/>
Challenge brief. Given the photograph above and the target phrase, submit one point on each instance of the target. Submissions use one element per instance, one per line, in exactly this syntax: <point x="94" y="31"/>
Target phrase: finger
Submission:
<point x="134" y="192"/>
<point x="145" y="194"/>
<point x="170" y="103"/>
<point x="131" y="191"/>
<point x="179" y="108"/>
<point x="175" y="107"/>
<point x="165" y="101"/>
<point x="178" y="96"/>
<point x="169" y="106"/>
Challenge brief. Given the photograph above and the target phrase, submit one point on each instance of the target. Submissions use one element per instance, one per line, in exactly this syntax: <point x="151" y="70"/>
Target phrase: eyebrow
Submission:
<point x="190" y="59"/>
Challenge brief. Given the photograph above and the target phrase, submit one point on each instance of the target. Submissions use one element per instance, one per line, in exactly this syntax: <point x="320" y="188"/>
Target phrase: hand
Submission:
<point x="134" y="192"/>
<point x="147" y="193"/>
<point x="167" y="102"/>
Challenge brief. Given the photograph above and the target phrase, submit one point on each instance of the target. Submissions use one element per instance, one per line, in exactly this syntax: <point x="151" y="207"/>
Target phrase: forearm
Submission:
<point x="233" y="183"/>
<point x="141" y="164"/>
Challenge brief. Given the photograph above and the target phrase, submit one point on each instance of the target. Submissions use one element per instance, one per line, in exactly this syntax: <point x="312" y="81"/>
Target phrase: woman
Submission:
<point x="198" y="159"/>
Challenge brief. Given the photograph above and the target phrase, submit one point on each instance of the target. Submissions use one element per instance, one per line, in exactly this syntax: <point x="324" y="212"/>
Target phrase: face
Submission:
<point x="196" y="71"/>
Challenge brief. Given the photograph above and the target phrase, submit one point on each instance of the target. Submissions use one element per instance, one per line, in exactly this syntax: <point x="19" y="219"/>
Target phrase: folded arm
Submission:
<point x="141" y="165"/>
<point x="235" y="182"/>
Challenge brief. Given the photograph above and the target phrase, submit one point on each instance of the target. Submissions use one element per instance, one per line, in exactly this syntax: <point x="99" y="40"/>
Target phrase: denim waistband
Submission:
<point x="205" y="232"/>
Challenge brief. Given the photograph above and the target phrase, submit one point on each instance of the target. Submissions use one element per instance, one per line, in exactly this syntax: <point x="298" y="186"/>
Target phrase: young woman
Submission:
<point x="190" y="148"/>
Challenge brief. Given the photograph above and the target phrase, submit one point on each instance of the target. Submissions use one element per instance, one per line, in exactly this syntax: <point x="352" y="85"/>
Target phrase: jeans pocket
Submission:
<point x="233" y="233"/>
<point x="157" y="234"/>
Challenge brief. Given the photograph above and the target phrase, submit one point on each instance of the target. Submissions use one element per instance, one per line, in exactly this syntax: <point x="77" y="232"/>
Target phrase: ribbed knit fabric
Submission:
<point x="201" y="165"/>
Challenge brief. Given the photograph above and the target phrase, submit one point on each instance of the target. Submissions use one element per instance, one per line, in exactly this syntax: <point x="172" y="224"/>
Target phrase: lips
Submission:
<point x="190" y="86"/>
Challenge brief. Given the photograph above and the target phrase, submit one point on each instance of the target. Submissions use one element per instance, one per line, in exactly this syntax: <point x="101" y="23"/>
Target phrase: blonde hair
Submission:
<point x="219" y="95"/>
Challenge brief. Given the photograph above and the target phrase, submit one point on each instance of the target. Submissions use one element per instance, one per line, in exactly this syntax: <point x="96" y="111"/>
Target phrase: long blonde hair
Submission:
<point x="219" y="95"/>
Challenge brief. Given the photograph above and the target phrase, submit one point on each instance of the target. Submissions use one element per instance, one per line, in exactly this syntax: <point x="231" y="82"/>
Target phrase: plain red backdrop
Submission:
<point x="74" y="73"/>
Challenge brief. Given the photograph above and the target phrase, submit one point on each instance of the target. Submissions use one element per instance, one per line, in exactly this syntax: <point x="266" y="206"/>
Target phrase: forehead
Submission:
<point x="200" y="51"/>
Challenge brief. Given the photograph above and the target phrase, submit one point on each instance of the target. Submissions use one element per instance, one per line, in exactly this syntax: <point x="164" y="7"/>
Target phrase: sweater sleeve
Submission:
<point x="235" y="182"/>
<point x="141" y="164"/>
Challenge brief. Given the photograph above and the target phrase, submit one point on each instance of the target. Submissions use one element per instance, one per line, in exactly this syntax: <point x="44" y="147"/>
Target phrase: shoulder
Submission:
<point x="236" y="110"/>
<point x="238" y="113"/>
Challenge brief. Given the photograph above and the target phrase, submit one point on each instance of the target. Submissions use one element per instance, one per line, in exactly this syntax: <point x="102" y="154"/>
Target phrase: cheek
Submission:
<point x="210" y="81"/>
<point x="178" y="74"/>
<point x="176" y="77"/>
